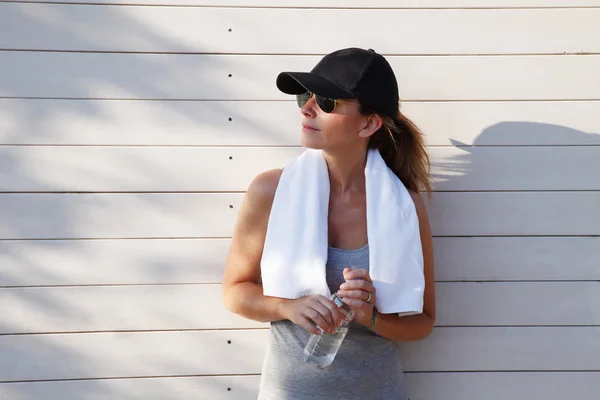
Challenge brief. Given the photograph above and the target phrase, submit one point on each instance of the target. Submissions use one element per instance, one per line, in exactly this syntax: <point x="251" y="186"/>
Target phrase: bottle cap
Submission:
<point x="338" y="300"/>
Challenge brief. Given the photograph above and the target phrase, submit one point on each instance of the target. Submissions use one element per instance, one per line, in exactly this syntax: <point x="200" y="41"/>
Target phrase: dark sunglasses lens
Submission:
<point x="326" y="104"/>
<point x="302" y="99"/>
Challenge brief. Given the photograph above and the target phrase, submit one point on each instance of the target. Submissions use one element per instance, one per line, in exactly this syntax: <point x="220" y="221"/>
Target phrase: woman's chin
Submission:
<point x="311" y="142"/>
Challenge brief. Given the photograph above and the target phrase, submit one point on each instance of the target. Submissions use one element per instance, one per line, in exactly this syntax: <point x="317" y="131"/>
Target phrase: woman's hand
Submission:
<point x="355" y="293"/>
<point x="315" y="308"/>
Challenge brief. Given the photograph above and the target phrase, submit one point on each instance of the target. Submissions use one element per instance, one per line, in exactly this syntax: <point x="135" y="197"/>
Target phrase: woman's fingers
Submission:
<point x="357" y="286"/>
<point x="355" y="291"/>
<point x="350" y="274"/>
<point x="353" y="303"/>
<point x="358" y="295"/>
<point x="316" y="309"/>
<point x="306" y="324"/>
<point x="323" y="312"/>
<point x="333" y="310"/>
<point x="318" y="319"/>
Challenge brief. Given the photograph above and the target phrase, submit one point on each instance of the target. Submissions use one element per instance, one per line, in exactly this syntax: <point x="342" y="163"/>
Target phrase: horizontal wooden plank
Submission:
<point x="513" y="213"/>
<point x="176" y="261"/>
<point x="102" y="169"/>
<point x="103" y="355"/>
<point x="420" y="386"/>
<point x="233" y="30"/>
<point x="135" y="354"/>
<point x="180" y="388"/>
<point x="515" y="168"/>
<point x="109" y="262"/>
<point x="135" y="122"/>
<point x="349" y="3"/>
<point x="252" y="77"/>
<point x="516" y="258"/>
<point x="151" y="169"/>
<point x="127" y="308"/>
<point x="146" y="215"/>
<point x="503" y="385"/>
<point x="507" y="123"/>
<point x="117" y="308"/>
<point x="535" y="348"/>
<point x="522" y="303"/>
<point x="70" y="216"/>
<point x="131" y="122"/>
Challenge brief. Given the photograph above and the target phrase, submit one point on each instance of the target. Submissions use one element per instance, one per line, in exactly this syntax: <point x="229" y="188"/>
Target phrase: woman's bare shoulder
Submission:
<point x="243" y="262"/>
<point x="261" y="191"/>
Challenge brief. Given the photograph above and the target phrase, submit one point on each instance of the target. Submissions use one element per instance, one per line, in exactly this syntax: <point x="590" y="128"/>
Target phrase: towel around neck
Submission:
<point x="296" y="244"/>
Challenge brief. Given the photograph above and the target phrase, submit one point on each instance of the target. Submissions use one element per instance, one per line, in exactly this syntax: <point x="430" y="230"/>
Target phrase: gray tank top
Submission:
<point x="366" y="366"/>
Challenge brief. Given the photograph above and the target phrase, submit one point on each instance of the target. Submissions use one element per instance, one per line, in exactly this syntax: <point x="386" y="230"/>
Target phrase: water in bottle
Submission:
<point x="321" y="349"/>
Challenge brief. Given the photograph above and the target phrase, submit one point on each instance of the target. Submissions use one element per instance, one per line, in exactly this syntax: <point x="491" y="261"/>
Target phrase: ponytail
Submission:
<point x="402" y="147"/>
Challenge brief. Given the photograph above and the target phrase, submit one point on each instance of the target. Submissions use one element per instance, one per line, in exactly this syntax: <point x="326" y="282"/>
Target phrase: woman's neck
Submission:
<point x="346" y="171"/>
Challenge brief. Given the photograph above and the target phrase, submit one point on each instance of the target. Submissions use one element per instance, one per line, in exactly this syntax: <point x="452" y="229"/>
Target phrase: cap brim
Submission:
<point x="300" y="82"/>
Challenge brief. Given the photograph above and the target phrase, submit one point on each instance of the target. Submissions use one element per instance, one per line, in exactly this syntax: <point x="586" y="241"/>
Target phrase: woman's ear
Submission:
<point x="372" y="124"/>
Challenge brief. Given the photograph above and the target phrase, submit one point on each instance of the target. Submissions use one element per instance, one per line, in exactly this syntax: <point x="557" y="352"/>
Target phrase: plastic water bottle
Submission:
<point x="321" y="349"/>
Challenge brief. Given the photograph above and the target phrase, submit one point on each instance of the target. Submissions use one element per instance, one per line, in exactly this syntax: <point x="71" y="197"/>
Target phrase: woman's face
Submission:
<point x="340" y="129"/>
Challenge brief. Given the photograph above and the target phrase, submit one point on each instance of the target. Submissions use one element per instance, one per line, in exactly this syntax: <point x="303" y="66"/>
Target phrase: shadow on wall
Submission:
<point x="521" y="156"/>
<point x="93" y="86"/>
<point x="546" y="158"/>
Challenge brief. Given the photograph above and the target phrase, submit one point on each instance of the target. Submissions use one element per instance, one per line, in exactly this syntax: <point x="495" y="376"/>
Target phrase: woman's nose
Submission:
<point x="308" y="109"/>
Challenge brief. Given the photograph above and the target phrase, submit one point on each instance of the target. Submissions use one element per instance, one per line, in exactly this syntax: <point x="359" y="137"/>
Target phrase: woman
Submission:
<point x="349" y="104"/>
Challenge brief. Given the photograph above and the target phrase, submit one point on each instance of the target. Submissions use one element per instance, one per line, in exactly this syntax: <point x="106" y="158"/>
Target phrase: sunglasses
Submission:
<point x="326" y="104"/>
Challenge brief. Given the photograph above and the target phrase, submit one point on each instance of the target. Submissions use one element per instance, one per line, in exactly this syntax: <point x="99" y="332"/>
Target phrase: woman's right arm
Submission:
<point x="242" y="290"/>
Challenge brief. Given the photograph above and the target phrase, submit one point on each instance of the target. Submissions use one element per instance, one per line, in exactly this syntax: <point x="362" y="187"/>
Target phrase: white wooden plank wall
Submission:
<point x="129" y="131"/>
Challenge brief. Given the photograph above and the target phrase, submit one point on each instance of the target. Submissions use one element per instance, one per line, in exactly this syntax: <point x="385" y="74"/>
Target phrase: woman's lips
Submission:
<point x="309" y="128"/>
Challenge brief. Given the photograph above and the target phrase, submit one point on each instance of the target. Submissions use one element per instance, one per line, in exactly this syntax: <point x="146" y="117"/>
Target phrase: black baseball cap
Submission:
<point x="351" y="73"/>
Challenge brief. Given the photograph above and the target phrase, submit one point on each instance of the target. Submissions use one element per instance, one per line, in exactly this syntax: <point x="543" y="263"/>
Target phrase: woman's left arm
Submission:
<point x="391" y="326"/>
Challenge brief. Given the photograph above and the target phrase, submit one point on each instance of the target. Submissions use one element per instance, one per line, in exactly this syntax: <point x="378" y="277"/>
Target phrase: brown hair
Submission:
<point x="402" y="146"/>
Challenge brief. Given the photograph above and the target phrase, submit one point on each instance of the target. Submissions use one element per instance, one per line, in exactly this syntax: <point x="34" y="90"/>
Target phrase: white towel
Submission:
<point x="296" y="244"/>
